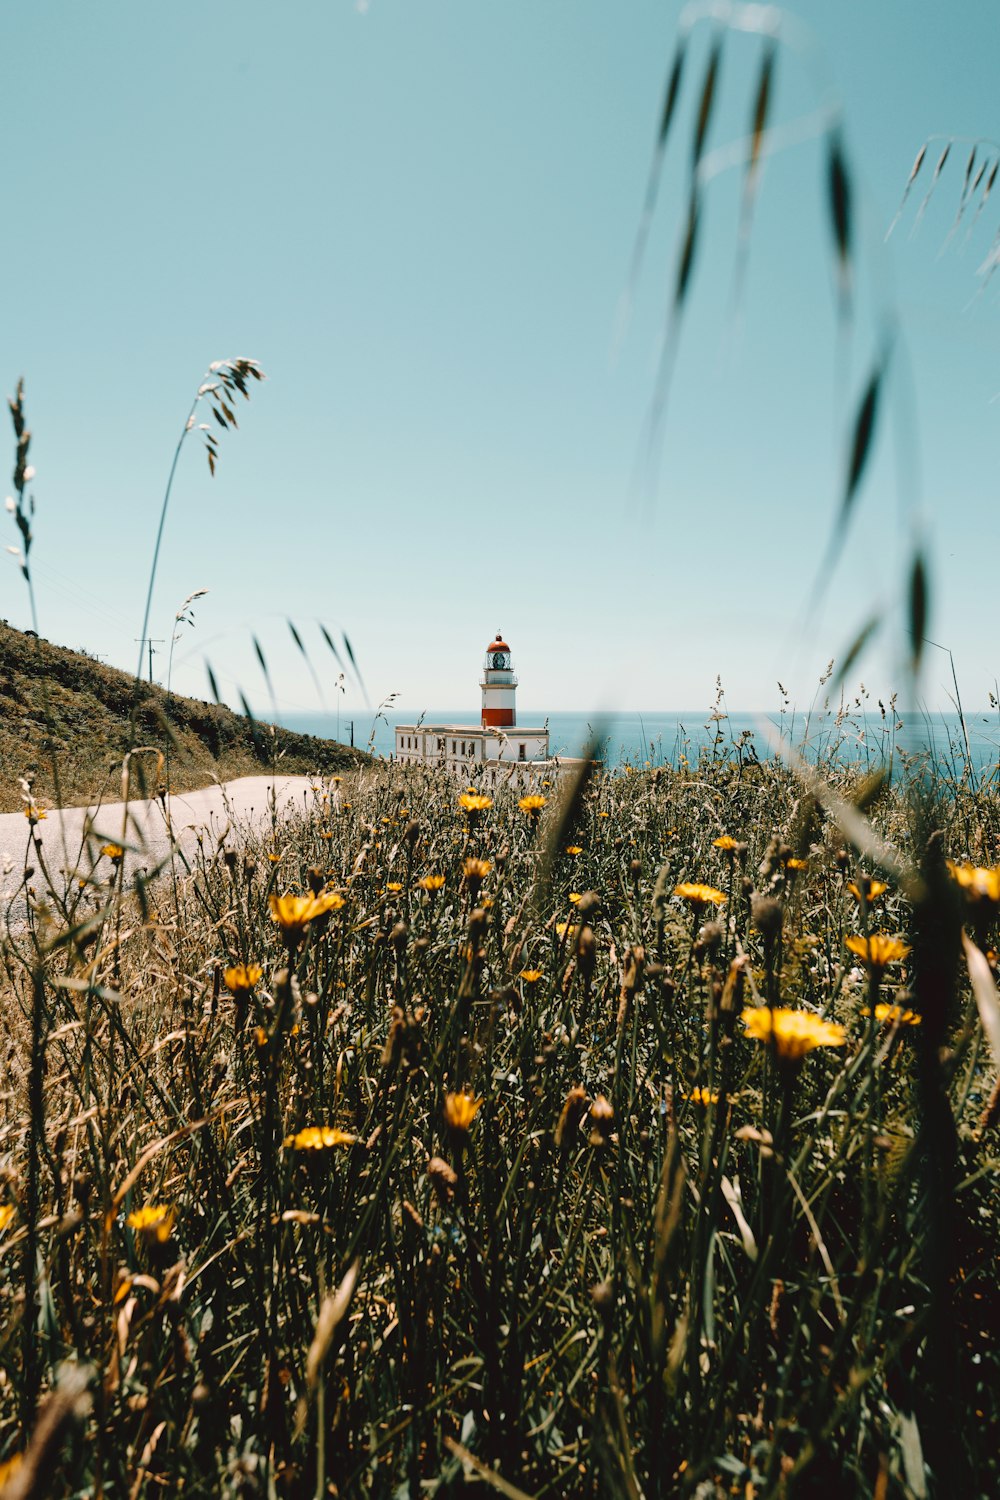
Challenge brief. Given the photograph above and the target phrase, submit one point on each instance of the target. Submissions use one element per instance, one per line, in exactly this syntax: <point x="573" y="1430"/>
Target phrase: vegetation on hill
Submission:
<point x="640" y="1141"/>
<point x="65" y="706"/>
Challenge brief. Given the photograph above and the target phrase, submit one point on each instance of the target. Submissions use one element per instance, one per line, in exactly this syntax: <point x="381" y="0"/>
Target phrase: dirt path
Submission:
<point x="245" y="803"/>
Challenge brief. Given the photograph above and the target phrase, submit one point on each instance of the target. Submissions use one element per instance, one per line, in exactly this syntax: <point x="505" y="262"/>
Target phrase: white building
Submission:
<point x="497" y="742"/>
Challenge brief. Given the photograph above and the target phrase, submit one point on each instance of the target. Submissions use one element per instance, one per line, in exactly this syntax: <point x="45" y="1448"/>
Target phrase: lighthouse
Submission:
<point x="498" y="686"/>
<point x="497" y="747"/>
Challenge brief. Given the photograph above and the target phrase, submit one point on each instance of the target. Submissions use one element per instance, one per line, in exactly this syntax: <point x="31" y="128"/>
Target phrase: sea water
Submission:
<point x="868" y="736"/>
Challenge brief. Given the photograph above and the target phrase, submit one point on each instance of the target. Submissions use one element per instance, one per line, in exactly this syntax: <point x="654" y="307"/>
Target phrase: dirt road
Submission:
<point x="212" y="811"/>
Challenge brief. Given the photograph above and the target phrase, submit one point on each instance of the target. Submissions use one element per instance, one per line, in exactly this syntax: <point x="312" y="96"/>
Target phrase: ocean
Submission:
<point x="635" y="738"/>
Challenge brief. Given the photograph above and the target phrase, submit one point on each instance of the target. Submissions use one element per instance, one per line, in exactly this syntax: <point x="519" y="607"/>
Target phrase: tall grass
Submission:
<point x="489" y="1175"/>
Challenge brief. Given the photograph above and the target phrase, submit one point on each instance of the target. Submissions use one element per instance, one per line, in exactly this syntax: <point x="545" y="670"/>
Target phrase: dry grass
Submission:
<point x="656" y="1258"/>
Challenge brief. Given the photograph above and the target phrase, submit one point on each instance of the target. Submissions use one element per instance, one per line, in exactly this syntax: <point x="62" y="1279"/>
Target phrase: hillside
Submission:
<point x="90" y="705"/>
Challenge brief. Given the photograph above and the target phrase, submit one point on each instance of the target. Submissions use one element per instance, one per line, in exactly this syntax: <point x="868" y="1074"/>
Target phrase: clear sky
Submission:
<point x="419" y="215"/>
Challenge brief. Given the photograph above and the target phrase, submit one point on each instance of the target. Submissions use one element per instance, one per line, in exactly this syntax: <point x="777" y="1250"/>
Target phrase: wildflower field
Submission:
<point x="633" y="1138"/>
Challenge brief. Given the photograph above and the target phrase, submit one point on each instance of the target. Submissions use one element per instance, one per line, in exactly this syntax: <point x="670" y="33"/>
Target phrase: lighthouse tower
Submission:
<point x="498" y="685"/>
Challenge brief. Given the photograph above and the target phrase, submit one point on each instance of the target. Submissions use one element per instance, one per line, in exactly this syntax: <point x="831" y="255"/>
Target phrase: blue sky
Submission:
<point x="418" y="215"/>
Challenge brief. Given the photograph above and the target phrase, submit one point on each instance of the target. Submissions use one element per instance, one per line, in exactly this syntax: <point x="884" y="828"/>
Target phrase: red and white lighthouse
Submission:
<point x="499" y="686"/>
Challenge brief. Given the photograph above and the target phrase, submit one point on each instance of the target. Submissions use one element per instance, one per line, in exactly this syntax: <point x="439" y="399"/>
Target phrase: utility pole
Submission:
<point x="150" y="641"/>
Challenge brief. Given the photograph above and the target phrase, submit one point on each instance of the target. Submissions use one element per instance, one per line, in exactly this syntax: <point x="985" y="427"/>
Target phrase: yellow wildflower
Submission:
<point x="474" y="802"/>
<point x="792" y="1033"/>
<point x="241" y="978"/>
<point x="9" y="1468"/>
<point x="460" y="1110"/>
<point x="726" y="843"/>
<point x="978" y="884"/>
<point x="393" y="886"/>
<point x="877" y="951"/>
<point x="324" y="902"/>
<point x="476" y="870"/>
<point x="532" y="805"/>
<point x="530" y="976"/>
<point x="870" y="890"/>
<point x="7" y="1212"/>
<point x="573" y="849"/>
<point x="294" y="913"/>
<point x="894" y="1015"/>
<point x="431" y="882"/>
<point x="291" y="912"/>
<point x="114" y="852"/>
<point x="796" y="864"/>
<point x="154" y="1222"/>
<point x="704" y="1096"/>
<point x="319" y="1138"/>
<point x="696" y="894"/>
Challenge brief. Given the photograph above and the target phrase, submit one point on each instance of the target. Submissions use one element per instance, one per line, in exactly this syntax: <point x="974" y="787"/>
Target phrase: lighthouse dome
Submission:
<point x="498" y="645"/>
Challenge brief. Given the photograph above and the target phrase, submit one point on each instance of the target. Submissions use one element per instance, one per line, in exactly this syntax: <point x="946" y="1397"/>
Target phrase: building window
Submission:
<point x="520" y="752"/>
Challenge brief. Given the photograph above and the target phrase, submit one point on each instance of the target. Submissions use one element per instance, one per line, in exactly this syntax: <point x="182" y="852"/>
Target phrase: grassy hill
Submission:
<point x="88" y="731"/>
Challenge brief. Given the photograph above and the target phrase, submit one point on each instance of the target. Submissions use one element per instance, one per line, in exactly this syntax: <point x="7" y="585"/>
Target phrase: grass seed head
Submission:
<point x="572" y="1112"/>
<point x="602" y="1119"/>
<point x="443" y="1179"/>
